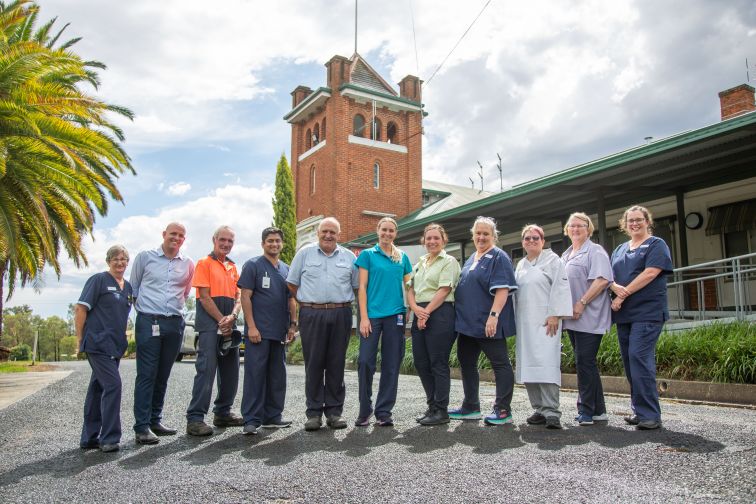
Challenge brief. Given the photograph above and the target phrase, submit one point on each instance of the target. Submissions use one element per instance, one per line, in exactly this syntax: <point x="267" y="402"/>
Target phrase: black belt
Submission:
<point x="325" y="306"/>
<point x="155" y="316"/>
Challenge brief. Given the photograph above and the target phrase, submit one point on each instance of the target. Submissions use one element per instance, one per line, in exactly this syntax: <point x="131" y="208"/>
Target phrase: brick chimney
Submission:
<point x="338" y="71"/>
<point x="737" y="101"/>
<point x="299" y="94"/>
<point x="410" y="88"/>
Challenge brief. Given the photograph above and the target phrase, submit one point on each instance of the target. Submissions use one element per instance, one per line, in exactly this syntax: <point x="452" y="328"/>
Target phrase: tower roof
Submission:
<point x="363" y="75"/>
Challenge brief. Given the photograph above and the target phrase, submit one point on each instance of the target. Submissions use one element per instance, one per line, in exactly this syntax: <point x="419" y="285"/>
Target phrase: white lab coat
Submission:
<point x="543" y="291"/>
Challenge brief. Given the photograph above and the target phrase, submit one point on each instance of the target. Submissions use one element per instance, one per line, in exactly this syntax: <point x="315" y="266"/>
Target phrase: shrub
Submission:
<point x="22" y="352"/>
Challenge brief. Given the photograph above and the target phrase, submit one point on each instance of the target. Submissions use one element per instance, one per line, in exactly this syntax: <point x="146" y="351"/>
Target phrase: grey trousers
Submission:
<point x="208" y="363"/>
<point x="544" y="397"/>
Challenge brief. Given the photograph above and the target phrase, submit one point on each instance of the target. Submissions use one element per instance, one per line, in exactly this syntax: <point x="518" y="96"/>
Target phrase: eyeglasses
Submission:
<point x="576" y="226"/>
<point x="635" y="221"/>
<point x="531" y="238"/>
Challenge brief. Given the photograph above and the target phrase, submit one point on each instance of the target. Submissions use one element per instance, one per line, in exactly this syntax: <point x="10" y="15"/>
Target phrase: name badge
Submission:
<point x="156" y="329"/>
<point x="266" y="282"/>
<point x="489" y="256"/>
<point x="112" y="289"/>
<point x="400" y="319"/>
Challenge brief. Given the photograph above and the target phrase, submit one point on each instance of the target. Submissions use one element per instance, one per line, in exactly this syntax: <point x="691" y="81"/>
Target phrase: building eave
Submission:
<point x="309" y="105"/>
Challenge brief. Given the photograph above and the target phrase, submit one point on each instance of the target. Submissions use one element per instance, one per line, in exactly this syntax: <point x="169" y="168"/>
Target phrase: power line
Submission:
<point x="455" y="45"/>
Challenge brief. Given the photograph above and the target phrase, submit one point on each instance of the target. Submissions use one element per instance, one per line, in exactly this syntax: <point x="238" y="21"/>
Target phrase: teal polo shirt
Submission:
<point x="385" y="288"/>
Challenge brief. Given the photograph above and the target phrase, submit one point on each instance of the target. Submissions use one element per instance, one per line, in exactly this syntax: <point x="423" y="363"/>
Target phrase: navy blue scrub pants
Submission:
<point x="389" y="331"/>
<point x="154" y="361"/>
<point x="208" y="364"/>
<point x="637" y="342"/>
<point x="468" y="351"/>
<point x="264" y="382"/>
<point x="325" y="336"/>
<point x="431" y="348"/>
<point x="102" y="406"/>
<point x="590" y="391"/>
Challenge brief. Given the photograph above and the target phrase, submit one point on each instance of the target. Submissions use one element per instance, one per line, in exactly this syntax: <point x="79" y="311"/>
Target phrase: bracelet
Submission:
<point x="583" y="302"/>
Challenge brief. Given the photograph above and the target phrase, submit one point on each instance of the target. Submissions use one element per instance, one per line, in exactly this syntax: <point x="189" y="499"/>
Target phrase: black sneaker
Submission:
<point x="536" y="419"/>
<point x="428" y="412"/>
<point x="552" y="422"/>
<point x="438" y="417"/>
<point x="632" y="420"/>
<point x="276" y="424"/>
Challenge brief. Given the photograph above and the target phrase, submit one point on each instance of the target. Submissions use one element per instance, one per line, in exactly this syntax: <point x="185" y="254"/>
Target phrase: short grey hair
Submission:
<point x="114" y="252"/>
<point x="487" y="221"/>
<point x="332" y="220"/>
<point x="221" y="229"/>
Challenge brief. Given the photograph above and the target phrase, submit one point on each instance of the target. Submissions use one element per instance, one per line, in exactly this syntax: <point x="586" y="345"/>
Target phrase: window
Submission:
<point x="739" y="243"/>
<point x="316" y="134"/>
<point x="375" y="130"/>
<point x="376" y="175"/>
<point x="391" y="132"/>
<point x="358" y="125"/>
<point x="323" y="129"/>
<point x="308" y="139"/>
<point x="556" y="244"/>
<point x="312" y="179"/>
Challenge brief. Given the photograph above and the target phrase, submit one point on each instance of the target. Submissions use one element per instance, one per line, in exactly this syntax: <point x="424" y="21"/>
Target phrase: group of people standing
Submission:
<point x="477" y="305"/>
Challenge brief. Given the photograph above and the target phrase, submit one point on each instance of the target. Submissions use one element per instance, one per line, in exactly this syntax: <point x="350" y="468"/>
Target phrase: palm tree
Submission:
<point x="59" y="152"/>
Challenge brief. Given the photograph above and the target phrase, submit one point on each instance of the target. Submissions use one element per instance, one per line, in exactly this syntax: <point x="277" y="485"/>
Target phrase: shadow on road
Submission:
<point x="64" y="465"/>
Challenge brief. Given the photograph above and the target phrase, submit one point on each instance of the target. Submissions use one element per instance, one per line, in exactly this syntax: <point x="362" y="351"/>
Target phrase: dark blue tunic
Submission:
<point x="475" y="294"/>
<point x="650" y="303"/>
<point x="109" y="306"/>
<point x="270" y="305"/>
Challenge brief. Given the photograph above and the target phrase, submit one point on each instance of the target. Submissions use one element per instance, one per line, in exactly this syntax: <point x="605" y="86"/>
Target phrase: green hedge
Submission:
<point x="723" y="353"/>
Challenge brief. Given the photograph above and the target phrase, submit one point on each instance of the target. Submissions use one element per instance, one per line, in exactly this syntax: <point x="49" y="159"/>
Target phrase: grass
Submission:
<point x="15" y="367"/>
<point x="724" y="353"/>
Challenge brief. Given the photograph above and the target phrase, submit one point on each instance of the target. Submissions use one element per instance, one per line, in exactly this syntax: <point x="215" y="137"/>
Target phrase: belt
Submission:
<point x="325" y="306"/>
<point x="155" y="316"/>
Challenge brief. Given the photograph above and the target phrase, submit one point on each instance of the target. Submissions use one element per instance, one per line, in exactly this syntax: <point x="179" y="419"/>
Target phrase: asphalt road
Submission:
<point x="703" y="454"/>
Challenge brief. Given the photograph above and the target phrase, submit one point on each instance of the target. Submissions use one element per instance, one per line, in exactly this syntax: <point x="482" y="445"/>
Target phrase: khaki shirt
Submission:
<point x="428" y="278"/>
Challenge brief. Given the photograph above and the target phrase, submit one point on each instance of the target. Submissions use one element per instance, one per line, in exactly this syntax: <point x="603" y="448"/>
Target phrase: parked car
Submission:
<point x="189" y="343"/>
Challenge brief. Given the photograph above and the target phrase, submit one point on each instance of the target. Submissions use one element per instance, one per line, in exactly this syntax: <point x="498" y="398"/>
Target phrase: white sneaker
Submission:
<point x="601" y="418"/>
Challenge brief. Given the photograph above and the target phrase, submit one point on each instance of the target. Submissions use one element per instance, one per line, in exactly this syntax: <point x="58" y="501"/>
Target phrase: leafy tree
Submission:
<point x="68" y="348"/>
<point x="19" y="325"/>
<point x="59" y="152"/>
<point x="51" y="331"/>
<point x="284" y="209"/>
<point x="21" y="352"/>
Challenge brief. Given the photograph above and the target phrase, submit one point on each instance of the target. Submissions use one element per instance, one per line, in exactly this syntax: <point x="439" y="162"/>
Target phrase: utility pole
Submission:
<point x="34" y="350"/>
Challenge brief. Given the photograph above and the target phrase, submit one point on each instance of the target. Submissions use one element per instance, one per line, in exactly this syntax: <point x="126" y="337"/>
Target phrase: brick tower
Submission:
<point x="356" y="149"/>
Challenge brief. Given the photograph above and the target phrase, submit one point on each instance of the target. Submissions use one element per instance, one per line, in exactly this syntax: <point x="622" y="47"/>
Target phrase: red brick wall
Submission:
<point x="344" y="180"/>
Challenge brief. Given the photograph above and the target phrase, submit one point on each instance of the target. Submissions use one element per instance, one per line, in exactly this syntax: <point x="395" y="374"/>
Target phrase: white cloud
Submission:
<point x="178" y="189"/>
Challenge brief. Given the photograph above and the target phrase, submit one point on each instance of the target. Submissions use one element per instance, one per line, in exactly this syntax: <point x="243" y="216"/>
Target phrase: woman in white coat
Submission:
<point x="542" y="298"/>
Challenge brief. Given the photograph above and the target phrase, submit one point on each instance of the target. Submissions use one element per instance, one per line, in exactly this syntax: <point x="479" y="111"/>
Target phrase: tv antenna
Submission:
<point x="480" y="174"/>
<point x="501" y="174"/>
<point x="472" y="183"/>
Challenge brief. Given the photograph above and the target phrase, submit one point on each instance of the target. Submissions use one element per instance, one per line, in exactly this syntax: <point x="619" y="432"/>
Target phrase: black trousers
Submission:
<point x="325" y="336"/>
<point x="590" y="391"/>
<point x="468" y="351"/>
<point x="430" y="350"/>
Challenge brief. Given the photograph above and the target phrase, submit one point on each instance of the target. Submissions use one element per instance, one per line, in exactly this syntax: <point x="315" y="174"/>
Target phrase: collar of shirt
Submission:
<point x="425" y="257"/>
<point x="335" y="251"/>
<point x="160" y="252"/>
<point x="583" y="250"/>
<point x="215" y="257"/>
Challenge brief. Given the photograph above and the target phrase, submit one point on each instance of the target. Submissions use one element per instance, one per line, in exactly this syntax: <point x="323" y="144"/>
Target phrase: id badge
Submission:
<point x="266" y="282"/>
<point x="400" y="319"/>
<point x="156" y="329"/>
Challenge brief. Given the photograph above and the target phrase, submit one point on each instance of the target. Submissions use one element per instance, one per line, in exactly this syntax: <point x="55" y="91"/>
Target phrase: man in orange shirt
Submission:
<point x="218" y="307"/>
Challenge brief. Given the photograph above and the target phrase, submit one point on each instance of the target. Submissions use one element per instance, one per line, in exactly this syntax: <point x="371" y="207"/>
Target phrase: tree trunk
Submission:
<point x="2" y="295"/>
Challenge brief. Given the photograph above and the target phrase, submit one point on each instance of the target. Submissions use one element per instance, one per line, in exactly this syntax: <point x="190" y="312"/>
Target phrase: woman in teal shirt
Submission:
<point x="384" y="269"/>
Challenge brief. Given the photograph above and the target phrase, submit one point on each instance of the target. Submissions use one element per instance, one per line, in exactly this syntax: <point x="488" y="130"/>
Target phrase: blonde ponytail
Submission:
<point x="396" y="254"/>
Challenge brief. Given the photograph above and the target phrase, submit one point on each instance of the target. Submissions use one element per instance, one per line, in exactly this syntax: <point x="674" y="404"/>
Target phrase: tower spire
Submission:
<point x="355" y="26"/>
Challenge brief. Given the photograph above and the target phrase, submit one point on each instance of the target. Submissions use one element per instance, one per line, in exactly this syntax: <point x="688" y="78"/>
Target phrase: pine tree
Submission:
<point x="284" y="209"/>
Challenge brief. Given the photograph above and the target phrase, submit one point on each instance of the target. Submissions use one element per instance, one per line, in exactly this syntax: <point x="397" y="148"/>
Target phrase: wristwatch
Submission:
<point x="293" y="323"/>
<point x="494" y="314"/>
<point x="583" y="302"/>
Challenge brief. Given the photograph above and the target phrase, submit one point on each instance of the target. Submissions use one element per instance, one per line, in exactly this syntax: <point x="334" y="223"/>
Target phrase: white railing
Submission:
<point x="732" y="280"/>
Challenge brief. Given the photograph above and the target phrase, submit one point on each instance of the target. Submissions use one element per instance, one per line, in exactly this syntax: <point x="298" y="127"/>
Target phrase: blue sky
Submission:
<point x="546" y="84"/>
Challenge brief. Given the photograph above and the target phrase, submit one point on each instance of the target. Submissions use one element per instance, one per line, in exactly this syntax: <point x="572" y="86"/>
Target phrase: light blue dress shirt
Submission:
<point x="161" y="285"/>
<point x="323" y="278"/>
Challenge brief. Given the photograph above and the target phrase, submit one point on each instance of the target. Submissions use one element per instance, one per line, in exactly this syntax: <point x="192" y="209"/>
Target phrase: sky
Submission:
<point x="545" y="84"/>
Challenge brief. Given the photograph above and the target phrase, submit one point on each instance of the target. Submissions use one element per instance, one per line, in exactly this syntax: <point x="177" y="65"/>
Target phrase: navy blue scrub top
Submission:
<point x="475" y="294"/>
<point x="650" y="303"/>
<point x="270" y="306"/>
<point x="109" y="306"/>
